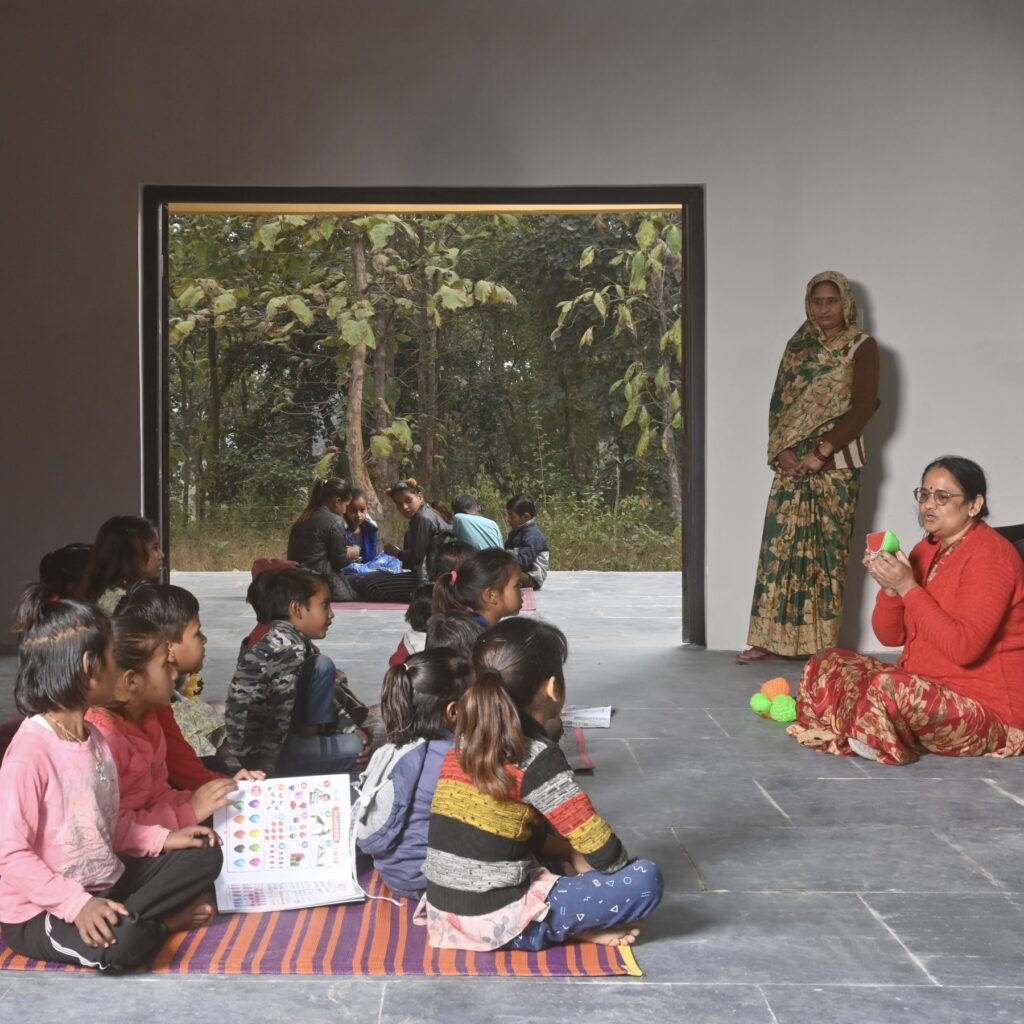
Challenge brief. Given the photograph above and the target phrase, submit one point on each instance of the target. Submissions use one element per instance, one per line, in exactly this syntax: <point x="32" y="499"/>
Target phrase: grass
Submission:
<point x="583" y="535"/>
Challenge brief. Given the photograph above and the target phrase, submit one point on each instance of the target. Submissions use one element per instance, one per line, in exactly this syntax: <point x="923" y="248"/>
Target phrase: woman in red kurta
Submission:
<point x="957" y="607"/>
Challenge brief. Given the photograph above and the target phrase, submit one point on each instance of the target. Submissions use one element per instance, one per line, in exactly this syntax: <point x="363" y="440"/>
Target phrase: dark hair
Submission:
<point x="272" y="600"/>
<point x="421" y="605"/>
<point x="135" y="640"/>
<point x="60" y="643"/>
<point x="62" y="570"/>
<point x="446" y="553"/>
<point x="510" y="663"/>
<point x="415" y="696"/>
<point x="117" y="555"/>
<point x="355" y="494"/>
<point x="461" y="590"/>
<point x="455" y="630"/>
<point x="464" y="503"/>
<point x="169" y="608"/>
<point x="969" y="475"/>
<point x="401" y="486"/>
<point x="325" y="490"/>
<point x="522" y="505"/>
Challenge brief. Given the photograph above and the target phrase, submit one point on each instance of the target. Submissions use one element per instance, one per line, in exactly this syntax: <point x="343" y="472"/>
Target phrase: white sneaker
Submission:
<point x="861" y="749"/>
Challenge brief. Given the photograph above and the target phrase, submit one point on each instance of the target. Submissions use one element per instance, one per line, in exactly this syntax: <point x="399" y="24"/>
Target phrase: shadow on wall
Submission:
<point x="880" y="428"/>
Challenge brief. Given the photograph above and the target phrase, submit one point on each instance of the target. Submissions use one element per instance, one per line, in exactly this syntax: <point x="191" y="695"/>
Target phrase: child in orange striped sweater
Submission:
<point x="506" y="799"/>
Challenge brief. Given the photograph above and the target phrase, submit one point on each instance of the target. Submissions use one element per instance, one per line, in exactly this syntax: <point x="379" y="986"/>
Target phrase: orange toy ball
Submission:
<point x="777" y="687"/>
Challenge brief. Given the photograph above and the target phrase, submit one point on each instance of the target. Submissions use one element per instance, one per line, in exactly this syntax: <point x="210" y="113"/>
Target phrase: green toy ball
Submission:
<point x="783" y="709"/>
<point x="760" y="703"/>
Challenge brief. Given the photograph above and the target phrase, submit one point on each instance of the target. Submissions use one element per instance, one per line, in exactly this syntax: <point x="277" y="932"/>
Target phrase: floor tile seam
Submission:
<point x="973" y="894"/>
<point x="693" y="864"/>
<point x="910" y="953"/>
<point x="942" y="837"/>
<point x="767" y="1004"/>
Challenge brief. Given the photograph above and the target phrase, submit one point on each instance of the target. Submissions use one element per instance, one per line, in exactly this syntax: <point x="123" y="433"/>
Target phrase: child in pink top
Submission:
<point x="145" y="683"/>
<point x="65" y="893"/>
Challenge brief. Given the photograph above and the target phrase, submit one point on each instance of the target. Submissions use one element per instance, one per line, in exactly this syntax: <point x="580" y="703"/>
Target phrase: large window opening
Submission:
<point x="505" y="342"/>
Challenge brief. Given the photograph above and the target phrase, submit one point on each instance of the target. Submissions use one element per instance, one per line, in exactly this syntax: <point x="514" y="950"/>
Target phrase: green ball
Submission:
<point x="761" y="703"/>
<point x="783" y="709"/>
<point x="890" y="543"/>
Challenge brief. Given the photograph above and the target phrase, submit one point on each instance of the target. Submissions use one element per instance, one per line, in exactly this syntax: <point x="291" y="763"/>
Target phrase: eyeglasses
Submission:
<point x="922" y="494"/>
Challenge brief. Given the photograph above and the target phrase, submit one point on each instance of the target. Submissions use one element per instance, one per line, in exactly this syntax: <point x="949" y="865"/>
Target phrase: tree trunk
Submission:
<point x="354" y="448"/>
<point x="427" y="382"/>
<point x="213" y="404"/>
<point x="670" y="437"/>
<point x="382" y="466"/>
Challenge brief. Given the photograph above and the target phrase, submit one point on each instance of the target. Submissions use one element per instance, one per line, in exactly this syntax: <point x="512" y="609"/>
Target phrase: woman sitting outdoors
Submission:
<point x="957" y="607"/>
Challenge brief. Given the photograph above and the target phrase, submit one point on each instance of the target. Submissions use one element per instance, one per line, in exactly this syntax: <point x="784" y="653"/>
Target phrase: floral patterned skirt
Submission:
<point x="798" y="593"/>
<point x="844" y="695"/>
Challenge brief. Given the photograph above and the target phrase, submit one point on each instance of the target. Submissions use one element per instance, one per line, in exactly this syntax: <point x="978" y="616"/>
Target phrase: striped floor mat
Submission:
<point x="376" y="939"/>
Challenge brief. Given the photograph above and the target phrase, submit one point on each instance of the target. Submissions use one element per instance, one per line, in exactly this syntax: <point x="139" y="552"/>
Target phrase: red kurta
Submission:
<point x="964" y="629"/>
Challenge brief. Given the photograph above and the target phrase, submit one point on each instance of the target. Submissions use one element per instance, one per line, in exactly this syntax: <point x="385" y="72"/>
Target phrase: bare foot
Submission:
<point x="196" y="914"/>
<point x="624" y="936"/>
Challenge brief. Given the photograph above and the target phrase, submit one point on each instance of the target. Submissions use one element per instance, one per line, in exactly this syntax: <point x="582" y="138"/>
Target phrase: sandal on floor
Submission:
<point x="757" y="654"/>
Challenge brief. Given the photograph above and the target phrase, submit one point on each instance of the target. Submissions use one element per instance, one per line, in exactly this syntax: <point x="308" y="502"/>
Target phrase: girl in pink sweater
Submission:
<point x="78" y="883"/>
<point x="135" y="736"/>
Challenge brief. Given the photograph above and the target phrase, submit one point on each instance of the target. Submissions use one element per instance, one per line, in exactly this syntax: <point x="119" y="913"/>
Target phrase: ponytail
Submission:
<point x="461" y="590"/>
<point x="324" y="490"/>
<point x="489" y="734"/>
<point x="415" y="695"/>
<point x="511" y="661"/>
<point x="61" y="644"/>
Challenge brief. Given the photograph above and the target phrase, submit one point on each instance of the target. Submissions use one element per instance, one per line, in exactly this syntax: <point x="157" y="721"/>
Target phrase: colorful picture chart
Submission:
<point x="286" y="845"/>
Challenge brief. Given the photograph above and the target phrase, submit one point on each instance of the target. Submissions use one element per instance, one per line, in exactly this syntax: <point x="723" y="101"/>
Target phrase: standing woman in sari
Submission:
<point x="825" y="393"/>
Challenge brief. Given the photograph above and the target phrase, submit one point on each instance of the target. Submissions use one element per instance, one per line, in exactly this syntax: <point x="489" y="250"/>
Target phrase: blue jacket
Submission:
<point x="368" y="543"/>
<point x="393" y="810"/>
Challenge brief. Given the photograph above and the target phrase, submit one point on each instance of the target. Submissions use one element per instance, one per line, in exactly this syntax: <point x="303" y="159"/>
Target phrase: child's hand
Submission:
<point x="249" y="776"/>
<point x="211" y="796"/>
<point x="390" y="549"/>
<point x="365" y="755"/>
<point x="95" y="918"/>
<point x="190" y="837"/>
<point x="354" y="551"/>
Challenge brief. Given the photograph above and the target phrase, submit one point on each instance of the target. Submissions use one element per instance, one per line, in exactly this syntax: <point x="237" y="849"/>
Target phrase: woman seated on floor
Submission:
<point x="957" y="606"/>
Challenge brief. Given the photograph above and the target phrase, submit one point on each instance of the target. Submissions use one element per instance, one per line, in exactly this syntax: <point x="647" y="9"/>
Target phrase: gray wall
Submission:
<point x="881" y="138"/>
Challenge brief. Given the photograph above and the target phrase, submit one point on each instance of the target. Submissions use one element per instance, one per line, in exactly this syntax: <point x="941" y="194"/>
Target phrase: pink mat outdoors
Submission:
<point x="529" y="604"/>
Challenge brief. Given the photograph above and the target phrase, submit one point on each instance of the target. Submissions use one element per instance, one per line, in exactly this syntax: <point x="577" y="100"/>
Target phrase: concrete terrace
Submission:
<point x="800" y="886"/>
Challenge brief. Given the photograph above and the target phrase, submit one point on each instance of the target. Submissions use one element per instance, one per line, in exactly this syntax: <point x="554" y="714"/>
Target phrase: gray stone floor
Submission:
<point x="800" y="887"/>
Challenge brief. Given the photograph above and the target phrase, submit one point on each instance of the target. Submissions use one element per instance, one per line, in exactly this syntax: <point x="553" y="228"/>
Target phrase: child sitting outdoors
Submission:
<point x="79" y="884"/>
<point x="144" y="684"/>
<point x="486" y="887"/>
<point x="418" y="707"/>
<point x="472" y="527"/>
<point x="526" y="542"/>
<point x="127" y="551"/>
<point x="360" y="530"/>
<point x="485" y="585"/>
<point x="421" y="605"/>
<point x="282" y="714"/>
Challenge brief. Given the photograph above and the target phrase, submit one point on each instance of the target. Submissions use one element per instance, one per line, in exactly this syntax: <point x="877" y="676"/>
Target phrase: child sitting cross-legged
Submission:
<point x="418" y="707"/>
<point x="283" y="715"/>
<point x="526" y="542"/>
<point x="506" y="800"/>
<point x="79" y="883"/>
<point x="132" y="730"/>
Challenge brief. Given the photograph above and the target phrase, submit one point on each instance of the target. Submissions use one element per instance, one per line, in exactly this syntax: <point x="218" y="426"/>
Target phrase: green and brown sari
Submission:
<point x="805" y="546"/>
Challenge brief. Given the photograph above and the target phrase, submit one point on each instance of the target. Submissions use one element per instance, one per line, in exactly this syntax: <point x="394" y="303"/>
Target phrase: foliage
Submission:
<point x="385" y="346"/>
